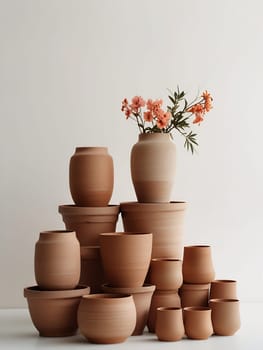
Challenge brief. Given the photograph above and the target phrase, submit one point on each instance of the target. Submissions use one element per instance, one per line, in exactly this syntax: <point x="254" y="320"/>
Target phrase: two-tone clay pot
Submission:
<point x="91" y="176"/>
<point x="166" y="273"/>
<point x="194" y="294"/>
<point x="125" y="257"/>
<point x="169" y="323"/>
<point x="142" y="297"/>
<point x="89" y="222"/>
<point x="54" y="313"/>
<point x="164" y="220"/>
<point x="197" y="322"/>
<point x="223" y="289"/>
<point x="107" y="318"/>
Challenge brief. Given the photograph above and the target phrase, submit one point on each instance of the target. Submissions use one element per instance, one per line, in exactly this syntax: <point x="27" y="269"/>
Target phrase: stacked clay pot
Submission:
<point x="53" y="303"/>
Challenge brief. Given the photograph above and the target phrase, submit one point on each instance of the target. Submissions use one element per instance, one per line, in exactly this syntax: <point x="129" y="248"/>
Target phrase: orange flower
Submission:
<point x="137" y="102"/>
<point x="148" y="117"/>
<point x="207" y="101"/>
<point x="198" y="118"/>
<point x="197" y="108"/>
<point x="162" y="122"/>
<point x="124" y="104"/>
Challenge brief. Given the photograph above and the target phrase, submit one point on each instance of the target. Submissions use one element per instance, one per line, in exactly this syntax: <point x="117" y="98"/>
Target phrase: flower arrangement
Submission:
<point x="152" y="118"/>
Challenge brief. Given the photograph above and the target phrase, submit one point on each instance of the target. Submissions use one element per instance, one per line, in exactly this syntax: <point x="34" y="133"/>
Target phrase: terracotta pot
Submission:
<point x="169" y="323"/>
<point x="89" y="222"/>
<point x="92" y="273"/>
<point x="54" y="313"/>
<point x="225" y="316"/>
<point x="107" y="318"/>
<point x="153" y="167"/>
<point x="161" y="299"/>
<point x="223" y="289"/>
<point x="166" y="273"/>
<point x="197" y="264"/>
<point x="91" y="176"/>
<point x="194" y="294"/>
<point x="125" y="257"/>
<point x="197" y="322"/>
<point x="164" y="220"/>
<point x="57" y="260"/>
<point x="142" y="297"/>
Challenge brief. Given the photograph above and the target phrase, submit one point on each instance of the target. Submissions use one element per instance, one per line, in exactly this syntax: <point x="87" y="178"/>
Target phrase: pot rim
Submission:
<point x="125" y="234"/>
<point x="72" y="209"/>
<point x="196" y="308"/>
<point x="194" y="286"/>
<point x="168" y="308"/>
<point x="166" y="259"/>
<point x="35" y="292"/>
<point x="146" y="288"/>
<point x="223" y="300"/>
<point x="84" y="148"/>
<point x="108" y="297"/>
<point x="153" y="207"/>
<point x="223" y="281"/>
<point x="197" y="246"/>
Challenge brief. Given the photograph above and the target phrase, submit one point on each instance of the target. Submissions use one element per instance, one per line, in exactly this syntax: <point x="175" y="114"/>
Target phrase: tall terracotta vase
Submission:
<point x="91" y="176"/>
<point x="153" y="167"/>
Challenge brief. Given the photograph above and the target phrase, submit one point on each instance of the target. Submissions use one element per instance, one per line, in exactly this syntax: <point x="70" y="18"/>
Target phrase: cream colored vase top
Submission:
<point x="153" y="167"/>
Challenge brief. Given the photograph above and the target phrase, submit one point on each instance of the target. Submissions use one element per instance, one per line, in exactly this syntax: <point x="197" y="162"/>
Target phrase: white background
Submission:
<point x="65" y="67"/>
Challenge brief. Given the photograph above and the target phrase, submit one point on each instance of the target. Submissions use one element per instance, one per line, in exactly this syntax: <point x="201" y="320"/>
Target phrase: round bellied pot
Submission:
<point x="57" y="260"/>
<point x="166" y="273"/>
<point x="125" y="257"/>
<point x="164" y="220"/>
<point x="54" y="313"/>
<point x="197" y="264"/>
<point x="223" y="289"/>
<point x="153" y="167"/>
<point x="194" y="294"/>
<point x="89" y="222"/>
<point x="91" y="176"/>
<point x="225" y="316"/>
<point x="197" y="322"/>
<point x="169" y="323"/>
<point x="142" y="299"/>
<point x="107" y="318"/>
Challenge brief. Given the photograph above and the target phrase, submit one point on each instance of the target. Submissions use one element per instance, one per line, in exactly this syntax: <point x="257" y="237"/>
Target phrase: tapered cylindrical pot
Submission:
<point x="197" y="322"/>
<point x="169" y="323"/>
<point x="153" y="167"/>
<point x="125" y="257"/>
<point x="197" y="264"/>
<point x="92" y="273"/>
<point x="107" y="318"/>
<point x="162" y="298"/>
<point x="194" y="294"/>
<point x="164" y="220"/>
<point x="223" y="289"/>
<point x="89" y="222"/>
<point x="142" y="297"/>
<point x="54" y="313"/>
<point x="57" y="260"/>
<point x="91" y="176"/>
<point x="166" y="273"/>
<point x="225" y="316"/>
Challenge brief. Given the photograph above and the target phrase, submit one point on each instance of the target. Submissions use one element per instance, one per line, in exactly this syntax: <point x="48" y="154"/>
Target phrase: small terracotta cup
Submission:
<point x="197" y="322"/>
<point x="225" y="316"/>
<point x="166" y="273"/>
<point x="223" y="289"/>
<point x="194" y="294"/>
<point x="169" y="323"/>
<point x="197" y="264"/>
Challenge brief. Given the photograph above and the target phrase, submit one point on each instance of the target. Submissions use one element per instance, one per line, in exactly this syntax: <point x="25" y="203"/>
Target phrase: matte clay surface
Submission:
<point x="194" y="294"/>
<point x="197" y="322"/>
<point x="223" y="289"/>
<point x="166" y="273"/>
<point x="169" y="324"/>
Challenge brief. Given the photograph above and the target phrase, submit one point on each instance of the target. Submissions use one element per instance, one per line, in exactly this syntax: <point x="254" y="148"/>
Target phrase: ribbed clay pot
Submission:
<point x="197" y="322"/>
<point x="166" y="273"/>
<point x="92" y="273"/>
<point x="194" y="294"/>
<point x="164" y="220"/>
<point x="197" y="264"/>
<point x="107" y="318"/>
<point x="54" y="313"/>
<point x="153" y="167"/>
<point x="223" y="289"/>
<point x="169" y="323"/>
<point x="142" y="297"/>
<point x="161" y="298"/>
<point x="89" y="222"/>
<point x="125" y="257"/>
<point x="225" y="316"/>
<point x="57" y="260"/>
<point x="91" y="176"/>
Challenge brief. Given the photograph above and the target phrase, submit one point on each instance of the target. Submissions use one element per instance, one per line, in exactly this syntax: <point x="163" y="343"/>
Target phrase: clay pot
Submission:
<point x="164" y="220"/>
<point x="169" y="323"/>
<point x="197" y="322"/>
<point x="223" y="289"/>
<point x="153" y="167"/>
<point x="197" y="264"/>
<point x="225" y="316"/>
<point x="125" y="257"/>
<point x="92" y="273"/>
<point x="166" y="273"/>
<point x="54" y="313"/>
<point x="161" y="298"/>
<point x="107" y="318"/>
<point x="194" y="294"/>
<point x="89" y="222"/>
<point x="142" y="297"/>
<point x="91" y="176"/>
<point x="57" y="260"/>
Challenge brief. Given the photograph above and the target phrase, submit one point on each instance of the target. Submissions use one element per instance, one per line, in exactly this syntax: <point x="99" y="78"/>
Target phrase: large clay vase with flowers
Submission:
<point x="153" y="157"/>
